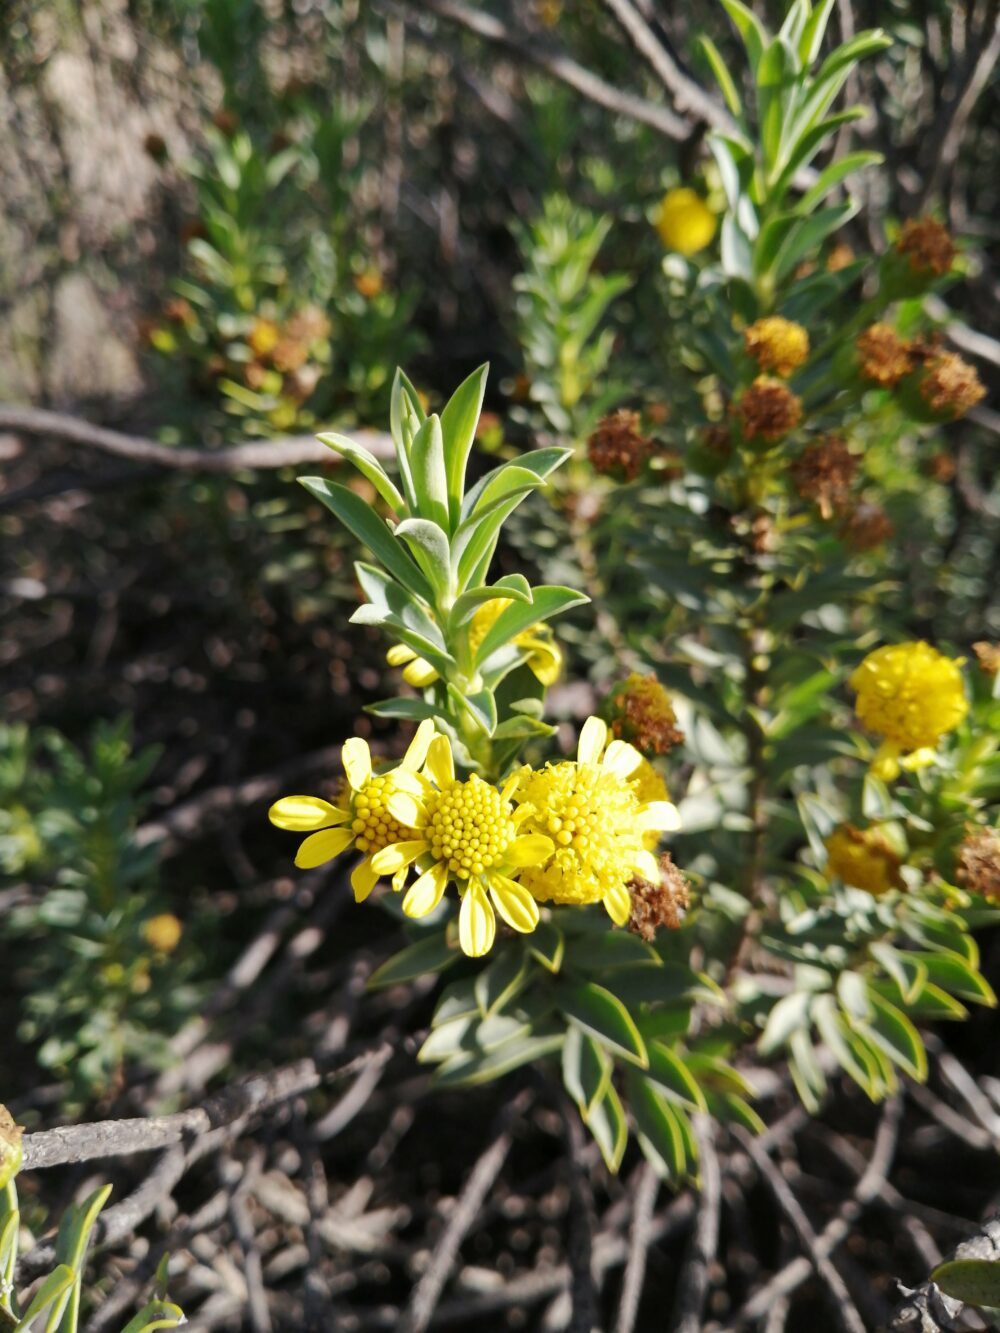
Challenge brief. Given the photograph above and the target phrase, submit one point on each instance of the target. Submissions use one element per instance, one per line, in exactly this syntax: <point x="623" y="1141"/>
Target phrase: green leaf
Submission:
<point x="722" y="75"/>
<point x="775" y="80"/>
<point x="505" y="977"/>
<point x="750" y="28"/>
<point x="604" y="1016"/>
<point x="956" y="975"/>
<point x="853" y="992"/>
<point x="660" y="1136"/>
<point x="480" y="707"/>
<point x="906" y="970"/>
<point x="432" y="955"/>
<point x="795" y="21"/>
<point x="973" y="1281"/>
<point x="409" y="710"/>
<point x="368" y="465"/>
<point x="812" y="34"/>
<point x="609" y="1126"/>
<point x="513" y="620"/>
<point x="541" y="462"/>
<point x="362" y="522"/>
<point x="429" y="544"/>
<point x="789" y="1015"/>
<point x="404" y="404"/>
<point x="805" y="148"/>
<point x="547" y="944"/>
<point x="439" y="658"/>
<point x="668" y="1070"/>
<point x="586" y="1070"/>
<point x="890" y="1029"/>
<point x="833" y="1030"/>
<point x="430" y="481"/>
<point x="55" y="1285"/>
<point x="810" y="233"/>
<point x="458" y="424"/>
<point x="832" y="175"/>
<point x="806" y="1071"/>
<point x="512" y="587"/>
<point x="158" y="1314"/>
<point x="473" y="1070"/>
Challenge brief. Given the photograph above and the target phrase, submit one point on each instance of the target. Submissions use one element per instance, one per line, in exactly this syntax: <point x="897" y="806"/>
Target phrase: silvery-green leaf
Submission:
<point x="368" y="465"/>
<point x="547" y="601"/>
<point x="429" y="544"/>
<point x="430" y="481"/>
<point x="459" y="419"/>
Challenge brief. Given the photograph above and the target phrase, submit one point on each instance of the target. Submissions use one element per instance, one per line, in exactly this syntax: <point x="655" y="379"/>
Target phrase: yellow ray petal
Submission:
<point x="399" y="879"/>
<point x="357" y="760"/>
<point x="592" y="739"/>
<point x="399" y="654"/>
<point x="416" y="751"/>
<point x="644" y="864"/>
<point x="321" y="847"/>
<point x="440" y="763"/>
<point x="426" y="892"/>
<point x="618" y="902"/>
<point x="397" y="856"/>
<point x="406" y="809"/>
<point x="363" y="879"/>
<point x="659" y="815"/>
<point x="403" y="779"/>
<point x="514" y="903"/>
<point x="477" y="924"/>
<point x="420" y="674"/>
<point x="621" y="759"/>
<point x="530" y="849"/>
<point x="304" y="814"/>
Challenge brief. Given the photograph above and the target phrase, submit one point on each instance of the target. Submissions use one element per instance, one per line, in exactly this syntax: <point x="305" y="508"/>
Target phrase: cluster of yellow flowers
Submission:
<point x="541" y="652"/>
<point x="576" y="831"/>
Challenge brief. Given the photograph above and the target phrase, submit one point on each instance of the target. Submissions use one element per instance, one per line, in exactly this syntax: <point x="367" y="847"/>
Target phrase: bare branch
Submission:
<point x="693" y="1288"/>
<point x="639" y="1241"/>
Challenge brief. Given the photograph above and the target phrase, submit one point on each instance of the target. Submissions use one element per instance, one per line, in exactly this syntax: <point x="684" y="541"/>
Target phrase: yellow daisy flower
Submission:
<point x="684" y="221"/>
<point x="863" y="858"/>
<point x="593" y="811"/>
<point x="468" y="832"/>
<point x="911" y="695"/>
<point x="541" y="652"/>
<point x="362" y="820"/>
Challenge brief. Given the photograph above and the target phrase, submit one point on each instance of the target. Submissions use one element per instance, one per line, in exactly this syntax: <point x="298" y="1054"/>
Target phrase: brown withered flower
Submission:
<point x="777" y="344"/>
<point x="987" y="656"/>
<point x="718" y="440"/>
<point x="867" y="525"/>
<point x="886" y="358"/>
<point x="617" y="448"/>
<point x="290" y="354"/>
<point x="641" y="713"/>
<point x="927" y="244"/>
<point x="307" y="324"/>
<point x="658" y="905"/>
<point x="824" y="473"/>
<point x="950" y="386"/>
<point x="977" y="866"/>
<point x="839" y="257"/>
<point x="941" y="467"/>
<point x="768" y="409"/>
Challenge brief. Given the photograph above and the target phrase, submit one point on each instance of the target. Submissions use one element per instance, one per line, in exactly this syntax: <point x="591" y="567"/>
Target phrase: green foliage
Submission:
<point x="57" y="1300"/>
<point x="101" y="982"/>
<point x="974" y="1281"/>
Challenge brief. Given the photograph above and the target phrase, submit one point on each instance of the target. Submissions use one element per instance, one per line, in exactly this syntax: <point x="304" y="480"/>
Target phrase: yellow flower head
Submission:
<point x="362" y="819"/>
<point x="468" y="832"/>
<point x="541" y="652"/>
<point x="592" y="810"/>
<point x="777" y="344"/>
<point x="911" y="695"/>
<point x="950" y="386"/>
<point x="163" y="932"/>
<point x="684" y="221"/>
<point x="863" y="858"/>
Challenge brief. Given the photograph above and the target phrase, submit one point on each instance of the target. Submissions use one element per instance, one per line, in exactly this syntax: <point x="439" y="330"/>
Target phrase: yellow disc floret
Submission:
<point x="777" y="344"/>
<point x="591" y="810"/>
<point x="373" y="826"/>
<point x="469" y="827"/>
<point x="863" y="858"/>
<point x="911" y="695"/>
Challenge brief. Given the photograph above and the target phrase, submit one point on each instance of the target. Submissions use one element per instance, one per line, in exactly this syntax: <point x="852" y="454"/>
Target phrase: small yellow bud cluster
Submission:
<point x="977" y="866"/>
<point x="777" y="344"/>
<point x="863" y="858"/>
<point x="469" y="827"/>
<point x="684" y="221"/>
<point x="928" y="246"/>
<point x="768" y="409"/>
<point x="373" y="826"/>
<point x="163" y="932"/>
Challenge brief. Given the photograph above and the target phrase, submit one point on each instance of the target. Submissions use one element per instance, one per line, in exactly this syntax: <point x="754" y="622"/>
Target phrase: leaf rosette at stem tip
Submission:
<point x="457" y="636"/>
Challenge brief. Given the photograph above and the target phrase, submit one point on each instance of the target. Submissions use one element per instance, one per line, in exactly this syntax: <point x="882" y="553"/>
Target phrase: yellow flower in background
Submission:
<point x="911" y="695"/>
<point x="363" y="819"/>
<point x="863" y="858"/>
<point x="650" y="786"/>
<point x="777" y="344"/>
<point x="684" y="221"/>
<point x="592" y="811"/>
<point x="163" y="932"/>
<point x="541" y="652"/>
<point x="468" y="832"/>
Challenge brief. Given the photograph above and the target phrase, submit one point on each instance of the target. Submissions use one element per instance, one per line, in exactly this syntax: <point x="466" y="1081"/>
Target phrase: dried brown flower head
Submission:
<point x="658" y="413"/>
<point x="886" y="358"/>
<point x="941" y="467"/>
<point x="617" y="447"/>
<point x="926" y="243"/>
<point x="656" y="905"/>
<point x="839" y="257"/>
<point x="987" y="656"/>
<point x="369" y="284"/>
<point x="308" y="324"/>
<point x="290" y="354"/>
<point x="768" y="409"/>
<point x="866" y="526"/>
<point x="718" y="440"/>
<point x="950" y="386"/>
<point x="977" y="866"/>
<point x="642" y="714"/>
<point x="777" y="344"/>
<point x="824" y="473"/>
